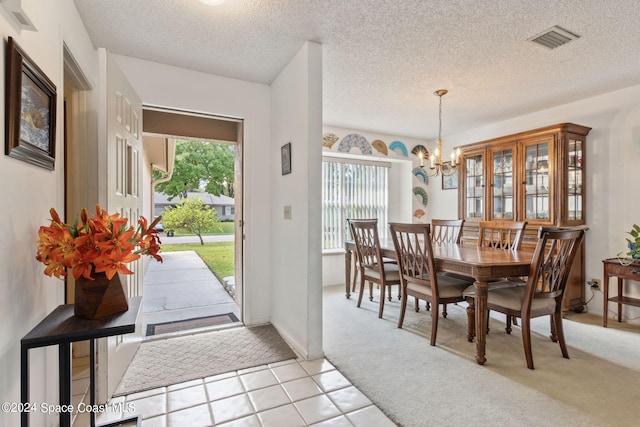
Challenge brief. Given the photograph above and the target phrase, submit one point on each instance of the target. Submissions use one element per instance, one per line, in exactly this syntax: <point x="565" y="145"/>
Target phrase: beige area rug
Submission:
<point x="182" y="325"/>
<point x="175" y="360"/>
<point x="418" y="385"/>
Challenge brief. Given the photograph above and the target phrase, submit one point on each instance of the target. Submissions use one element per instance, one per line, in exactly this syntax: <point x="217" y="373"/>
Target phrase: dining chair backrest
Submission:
<point x="551" y="263"/>
<point x="501" y="234"/>
<point x="365" y="235"/>
<point x="412" y="243"/>
<point x="446" y="230"/>
<point x="358" y="219"/>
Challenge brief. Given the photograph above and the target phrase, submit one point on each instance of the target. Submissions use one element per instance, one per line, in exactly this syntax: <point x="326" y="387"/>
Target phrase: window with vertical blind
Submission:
<point x="351" y="189"/>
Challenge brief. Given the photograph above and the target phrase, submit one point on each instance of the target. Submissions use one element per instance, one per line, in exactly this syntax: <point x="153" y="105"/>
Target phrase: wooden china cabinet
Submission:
<point x="536" y="176"/>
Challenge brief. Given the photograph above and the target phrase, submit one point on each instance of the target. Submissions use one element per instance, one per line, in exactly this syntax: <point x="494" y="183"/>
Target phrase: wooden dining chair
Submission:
<point x="355" y="259"/>
<point x="419" y="278"/>
<point x="355" y="254"/>
<point x="446" y="231"/>
<point x="371" y="264"/>
<point x="501" y="234"/>
<point x="505" y="235"/>
<point x="542" y="295"/>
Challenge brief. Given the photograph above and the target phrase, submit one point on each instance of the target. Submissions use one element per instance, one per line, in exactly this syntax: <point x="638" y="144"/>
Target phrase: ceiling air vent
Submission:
<point x="554" y="37"/>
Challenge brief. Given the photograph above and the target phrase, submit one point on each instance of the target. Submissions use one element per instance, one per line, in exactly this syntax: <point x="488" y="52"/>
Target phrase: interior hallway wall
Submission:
<point x="295" y="248"/>
<point x="29" y="192"/>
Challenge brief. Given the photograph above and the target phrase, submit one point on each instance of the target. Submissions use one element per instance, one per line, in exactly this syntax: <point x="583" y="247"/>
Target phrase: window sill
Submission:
<point x="329" y="252"/>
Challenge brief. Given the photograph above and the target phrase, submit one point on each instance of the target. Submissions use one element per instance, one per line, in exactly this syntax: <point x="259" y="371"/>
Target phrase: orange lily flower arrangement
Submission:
<point x="104" y="243"/>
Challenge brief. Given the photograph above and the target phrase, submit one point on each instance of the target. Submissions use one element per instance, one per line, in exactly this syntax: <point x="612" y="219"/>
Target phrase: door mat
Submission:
<point x="198" y="322"/>
<point x="178" y="359"/>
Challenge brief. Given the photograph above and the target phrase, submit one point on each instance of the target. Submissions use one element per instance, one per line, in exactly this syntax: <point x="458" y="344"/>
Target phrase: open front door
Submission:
<point x="121" y="168"/>
<point x="239" y="221"/>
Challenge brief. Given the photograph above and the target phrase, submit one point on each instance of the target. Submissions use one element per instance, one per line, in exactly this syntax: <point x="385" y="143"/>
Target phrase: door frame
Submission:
<point x="238" y="141"/>
<point x="78" y="124"/>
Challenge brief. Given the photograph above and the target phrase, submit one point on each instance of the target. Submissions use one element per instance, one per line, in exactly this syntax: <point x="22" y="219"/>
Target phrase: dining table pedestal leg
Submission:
<point x="481" y="290"/>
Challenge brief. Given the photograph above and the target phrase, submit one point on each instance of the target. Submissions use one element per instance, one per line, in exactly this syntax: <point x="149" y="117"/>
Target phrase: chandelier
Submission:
<point x="436" y="165"/>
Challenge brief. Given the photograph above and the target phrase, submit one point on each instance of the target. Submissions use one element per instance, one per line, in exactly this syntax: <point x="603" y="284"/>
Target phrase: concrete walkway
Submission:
<point x="182" y="287"/>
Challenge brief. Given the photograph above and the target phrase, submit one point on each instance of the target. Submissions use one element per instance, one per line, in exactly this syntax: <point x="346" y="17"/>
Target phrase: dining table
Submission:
<point x="481" y="263"/>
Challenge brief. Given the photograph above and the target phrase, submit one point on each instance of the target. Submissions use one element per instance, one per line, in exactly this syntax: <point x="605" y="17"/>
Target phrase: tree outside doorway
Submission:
<point x="200" y="166"/>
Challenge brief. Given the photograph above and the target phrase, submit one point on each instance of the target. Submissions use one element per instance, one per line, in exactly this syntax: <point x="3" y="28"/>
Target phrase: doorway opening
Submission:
<point x="197" y="188"/>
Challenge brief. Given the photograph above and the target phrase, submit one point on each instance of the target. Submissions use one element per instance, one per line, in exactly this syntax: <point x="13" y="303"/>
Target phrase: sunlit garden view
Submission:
<point x="205" y="167"/>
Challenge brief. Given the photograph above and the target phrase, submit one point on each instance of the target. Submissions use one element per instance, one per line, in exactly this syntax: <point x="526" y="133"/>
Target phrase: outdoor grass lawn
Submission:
<point x="219" y="256"/>
<point x="226" y="228"/>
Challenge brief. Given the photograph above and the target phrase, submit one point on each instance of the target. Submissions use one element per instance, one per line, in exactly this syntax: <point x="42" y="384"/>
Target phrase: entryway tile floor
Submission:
<point x="285" y="394"/>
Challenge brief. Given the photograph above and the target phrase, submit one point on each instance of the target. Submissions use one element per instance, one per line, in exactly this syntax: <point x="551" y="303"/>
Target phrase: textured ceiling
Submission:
<point x="383" y="59"/>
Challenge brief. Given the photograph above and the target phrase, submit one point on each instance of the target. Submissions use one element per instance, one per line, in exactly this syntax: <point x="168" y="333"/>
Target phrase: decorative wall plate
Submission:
<point x="354" y="140"/>
<point x="422" y="195"/>
<point x="419" y="173"/>
<point x="399" y="148"/>
<point x="380" y="146"/>
<point x="420" y="149"/>
<point x="328" y="139"/>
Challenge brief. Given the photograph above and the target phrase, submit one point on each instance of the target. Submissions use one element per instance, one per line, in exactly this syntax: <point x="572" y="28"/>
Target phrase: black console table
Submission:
<point x="61" y="328"/>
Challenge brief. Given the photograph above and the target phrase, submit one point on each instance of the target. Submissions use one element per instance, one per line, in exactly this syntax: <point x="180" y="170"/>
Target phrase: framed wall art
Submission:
<point x="30" y="110"/>
<point x="285" y="154"/>
<point x="449" y="182"/>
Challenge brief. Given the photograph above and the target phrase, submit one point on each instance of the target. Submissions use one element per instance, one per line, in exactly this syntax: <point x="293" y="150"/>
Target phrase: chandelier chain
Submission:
<point x="440" y="119"/>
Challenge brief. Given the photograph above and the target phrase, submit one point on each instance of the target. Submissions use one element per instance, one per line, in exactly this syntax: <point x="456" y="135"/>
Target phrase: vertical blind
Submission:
<point x="351" y="191"/>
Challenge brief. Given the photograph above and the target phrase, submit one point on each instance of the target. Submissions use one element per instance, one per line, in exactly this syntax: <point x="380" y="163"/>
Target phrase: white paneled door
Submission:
<point x="120" y="167"/>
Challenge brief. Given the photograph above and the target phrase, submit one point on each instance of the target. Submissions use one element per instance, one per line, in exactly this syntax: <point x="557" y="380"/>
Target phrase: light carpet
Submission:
<point x="178" y="359"/>
<point x="417" y="385"/>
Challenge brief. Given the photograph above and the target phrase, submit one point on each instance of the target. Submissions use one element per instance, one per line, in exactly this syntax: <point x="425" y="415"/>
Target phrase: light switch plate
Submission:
<point x="287" y="212"/>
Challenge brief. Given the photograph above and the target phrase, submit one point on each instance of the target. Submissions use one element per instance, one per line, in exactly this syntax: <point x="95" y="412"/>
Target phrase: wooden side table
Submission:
<point x="61" y="328"/>
<point x="612" y="267"/>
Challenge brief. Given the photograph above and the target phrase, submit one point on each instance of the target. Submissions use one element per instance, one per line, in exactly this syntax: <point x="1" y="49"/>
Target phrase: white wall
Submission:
<point x="167" y="86"/>
<point x="612" y="159"/>
<point x="27" y="295"/>
<point x="400" y="196"/>
<point x="295" y="248"/>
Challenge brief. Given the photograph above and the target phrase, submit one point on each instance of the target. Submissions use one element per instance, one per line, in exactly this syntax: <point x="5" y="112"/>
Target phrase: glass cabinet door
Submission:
<point x="501" y="194"/>
<point x="574" y="184"/>
<point x="474" y="187"/>
<point x="538" y="187"/>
